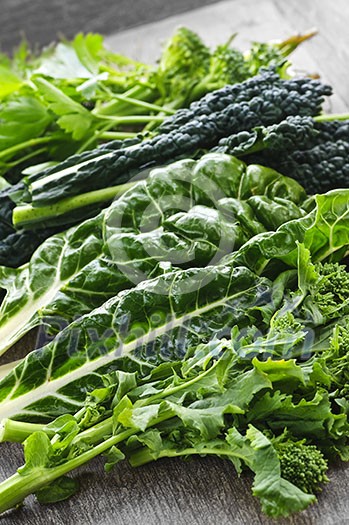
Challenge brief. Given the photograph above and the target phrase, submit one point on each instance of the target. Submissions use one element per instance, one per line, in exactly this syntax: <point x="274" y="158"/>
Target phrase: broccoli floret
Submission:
<point x="284" y="335"/>
<point x="327" y="293"/>
<point x="339" y="344"/>
<point x="263" y="54"/>
<point x="286" y="324"/>
<point x="336" y="359"/>
<point x="184" y="53"/>
<point x="183" y="63"/>
<point x="303" y="465"/>
<point x="331" y="290"/>
<point x="227" y="66"/>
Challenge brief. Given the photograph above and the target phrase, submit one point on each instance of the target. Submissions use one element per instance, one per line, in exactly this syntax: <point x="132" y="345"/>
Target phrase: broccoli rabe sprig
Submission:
<point x="188" y="69"/>
<point x="184" y="61"/>
<point x="323" y="293"/>
<point x="284" y="336"/>
<point x="264" y="54"/>
<point x="301" y="464"/>
<point x="227" y="66"/>
<point x="336" y="360"/>
<point x="333" y="284"/>
<point x="286" y="323"/>
<point x="329" y="293"/>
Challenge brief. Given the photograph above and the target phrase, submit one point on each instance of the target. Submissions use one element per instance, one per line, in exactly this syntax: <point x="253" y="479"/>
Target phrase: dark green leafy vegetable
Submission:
<point x="77" y="94"/>
<point x="198" y="252"/>
<point x="101" y="169"/>
<point x="72" y="273"/>
<point x="313" y="152"/>
<point x="205" y="406"/>
<point x="232" y="108"/>
<point x="152" y="322"/>
<point x="320" y="168"/>
<point x="180" y="299"/>
<point x="247" y="400"/>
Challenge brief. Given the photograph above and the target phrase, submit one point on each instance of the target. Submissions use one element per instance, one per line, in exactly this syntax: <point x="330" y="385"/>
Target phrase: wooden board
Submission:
<point x="206" y="491"/>
<point x="40" y="21"/>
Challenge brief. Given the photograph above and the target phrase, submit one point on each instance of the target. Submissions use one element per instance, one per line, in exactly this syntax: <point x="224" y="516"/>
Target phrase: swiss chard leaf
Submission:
<point x="74" y="272"/>
<point x="324" y="231"/>
<point x="211" y="299"/>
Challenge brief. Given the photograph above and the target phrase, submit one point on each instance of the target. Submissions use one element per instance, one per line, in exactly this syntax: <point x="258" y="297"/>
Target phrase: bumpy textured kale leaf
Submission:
<point x="229" y="110"/>
<point x="263" y="100"/>
<point x="314" y="153"/>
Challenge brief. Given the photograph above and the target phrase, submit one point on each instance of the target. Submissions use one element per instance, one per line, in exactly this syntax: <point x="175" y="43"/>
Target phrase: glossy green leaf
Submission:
<point x="188" y="214"/>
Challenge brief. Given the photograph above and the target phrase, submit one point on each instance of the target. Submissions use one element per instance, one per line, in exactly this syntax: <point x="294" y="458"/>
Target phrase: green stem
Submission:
<point x="331" y="116"/>
<point x="145" y="105"/>
<point x="96" y="433"/>
<point x="18" y="431"/>
<point x="26" y="144"/>
<point x="139" y="92"/>
<point x="117" y="107"/>
<point x="28" y="214"/>
<point x="133" y="119"/>
<point x="16" y="488"/>
<point x="29" y="156"/>
<point x="94" y="137"/>
<point x="117" y="135"/>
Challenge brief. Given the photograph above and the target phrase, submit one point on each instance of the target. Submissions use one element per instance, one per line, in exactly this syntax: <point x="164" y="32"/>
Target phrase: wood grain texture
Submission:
<point x="330" y="49"/>
<point x="41" y="20"/>
<point x="203" y="491"/>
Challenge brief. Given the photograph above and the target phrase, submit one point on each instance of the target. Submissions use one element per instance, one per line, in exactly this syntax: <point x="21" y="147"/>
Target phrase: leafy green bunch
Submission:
<point x="212" y="403"/>
<point x="253" y="399"/>
<point x="76" y="94"/>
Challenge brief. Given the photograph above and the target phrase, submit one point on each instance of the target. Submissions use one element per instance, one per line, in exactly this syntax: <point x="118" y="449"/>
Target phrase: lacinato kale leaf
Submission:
<point x="312" y="151"/>
<point x="230" y="109"/>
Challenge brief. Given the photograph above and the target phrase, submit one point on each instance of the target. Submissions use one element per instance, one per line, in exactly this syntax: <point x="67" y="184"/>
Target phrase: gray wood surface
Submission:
<point x="203" y="491"/>
<point x="40" y="21"/>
